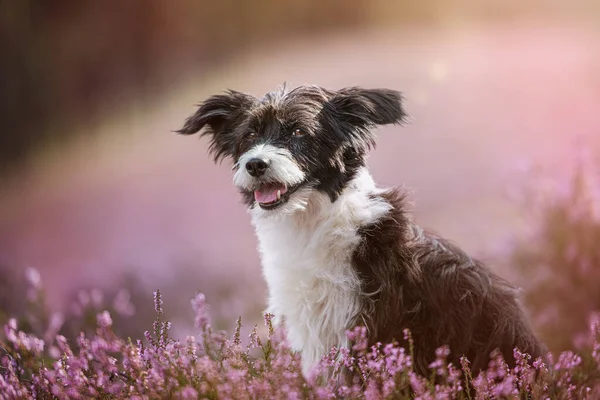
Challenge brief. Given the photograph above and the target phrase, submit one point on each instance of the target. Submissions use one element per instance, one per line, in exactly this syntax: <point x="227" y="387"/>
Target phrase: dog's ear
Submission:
<point x="365" y="108"/>
<point x="219" y="115"/>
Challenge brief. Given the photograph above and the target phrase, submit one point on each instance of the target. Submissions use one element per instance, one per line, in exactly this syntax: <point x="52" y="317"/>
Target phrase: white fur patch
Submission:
<point x="282" y="167"/>
<point x="306" y="258"/>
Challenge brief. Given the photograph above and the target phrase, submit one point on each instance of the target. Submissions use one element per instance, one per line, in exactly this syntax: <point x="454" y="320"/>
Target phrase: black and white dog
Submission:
<point x="337" y="251"/>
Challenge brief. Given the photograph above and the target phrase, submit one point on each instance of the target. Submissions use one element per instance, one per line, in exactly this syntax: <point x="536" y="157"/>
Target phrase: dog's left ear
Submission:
<point x="365" y="108"/>
<point x="219" y="115"/>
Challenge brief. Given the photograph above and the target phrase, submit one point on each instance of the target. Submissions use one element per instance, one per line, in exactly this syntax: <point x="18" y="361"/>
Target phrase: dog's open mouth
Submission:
<point x="270" y="195"/>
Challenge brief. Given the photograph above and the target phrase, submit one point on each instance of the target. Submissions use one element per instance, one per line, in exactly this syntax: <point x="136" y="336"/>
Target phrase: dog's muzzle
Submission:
<point x="270" y="173"/>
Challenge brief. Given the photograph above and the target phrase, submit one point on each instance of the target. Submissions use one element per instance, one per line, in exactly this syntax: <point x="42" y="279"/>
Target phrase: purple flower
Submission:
<point x="158" y="303"/>
<point x="33" y="278"/>
<point x="122" y="303"/>
<point x="104" y="319"/>
<point x="202" y="319"/>
<point x="188" y="393"/>
<point x="103" y="365"/>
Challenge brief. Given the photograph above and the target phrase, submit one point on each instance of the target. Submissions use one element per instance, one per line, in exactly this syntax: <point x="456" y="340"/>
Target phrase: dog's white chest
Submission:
<point x="307" y="263"/>
<point x="312" y="285"/>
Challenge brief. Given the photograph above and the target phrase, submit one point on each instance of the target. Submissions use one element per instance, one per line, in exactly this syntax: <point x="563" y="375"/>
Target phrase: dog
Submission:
<point x="337" y="251"/>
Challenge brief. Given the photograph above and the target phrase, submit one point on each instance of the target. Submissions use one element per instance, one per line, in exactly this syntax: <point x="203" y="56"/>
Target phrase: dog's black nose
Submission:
<point x="256" y="167"/>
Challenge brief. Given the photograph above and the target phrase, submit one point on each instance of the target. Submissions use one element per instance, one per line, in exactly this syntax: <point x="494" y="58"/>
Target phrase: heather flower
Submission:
<point x="122" y="303"/>
<point x="359" y="338"/>
<point x="104" y="319"/>
<point x="417" y="384"/>
<point x="96" y="298"/>
<point x="84" y="298"/>
<point x="523" y="370"/>
<point x="202" y="319"/>
<point x="33" y="278"/>
<point x="567" y="360"/>
<point x="158" y="303"/>
<point x="255" y="341"/>
<point x="372" y="391"/>
<point x="102" y="365"/>
<point x="55" y="324"/>
<point x="439" y="365"/>
<point x="188" y="393"/>
<point x="21" y="341"/>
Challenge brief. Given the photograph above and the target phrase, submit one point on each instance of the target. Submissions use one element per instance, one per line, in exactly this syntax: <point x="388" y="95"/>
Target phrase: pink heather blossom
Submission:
<point x="33" y="278"/>
<point x="158" y="303"/>
<point x="188" y="393"/>
<point x="567" y="360"/>
<point x="96" y="298"/>
<point x="84" y="298"/>
<point x="218" y="365"/>
<point x="202" y="319"/>
<point x="104" y="319"/>
<point x="122" y="303"/>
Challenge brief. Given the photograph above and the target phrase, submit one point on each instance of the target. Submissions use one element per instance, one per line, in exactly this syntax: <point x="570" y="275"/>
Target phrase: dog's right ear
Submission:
<point x="219" y="115"/>
<point x="355" y="110"/>
<point x="368" y="107"/>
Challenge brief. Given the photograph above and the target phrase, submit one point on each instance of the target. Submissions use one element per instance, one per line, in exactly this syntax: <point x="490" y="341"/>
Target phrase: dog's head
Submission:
<point x="290" y="144"/>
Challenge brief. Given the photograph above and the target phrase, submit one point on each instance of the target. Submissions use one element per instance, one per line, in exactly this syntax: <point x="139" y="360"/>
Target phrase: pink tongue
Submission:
<point x="268" y="193"/>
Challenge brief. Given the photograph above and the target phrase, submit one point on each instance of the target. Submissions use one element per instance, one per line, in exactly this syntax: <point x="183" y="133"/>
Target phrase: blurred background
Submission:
<point x="100" y="197"/>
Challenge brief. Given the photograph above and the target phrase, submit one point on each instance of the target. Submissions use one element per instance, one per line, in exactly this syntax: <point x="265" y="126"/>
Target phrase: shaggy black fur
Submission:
<point x="427" y="284"/>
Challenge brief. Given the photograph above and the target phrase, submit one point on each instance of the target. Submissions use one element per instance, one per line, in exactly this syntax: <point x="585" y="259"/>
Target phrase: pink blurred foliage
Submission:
<point x="558" y="262"/>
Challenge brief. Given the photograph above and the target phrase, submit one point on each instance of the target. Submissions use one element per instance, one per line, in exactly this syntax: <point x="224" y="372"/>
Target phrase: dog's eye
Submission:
<point x="251" y="135"/>
<point x="298" y="132"/>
